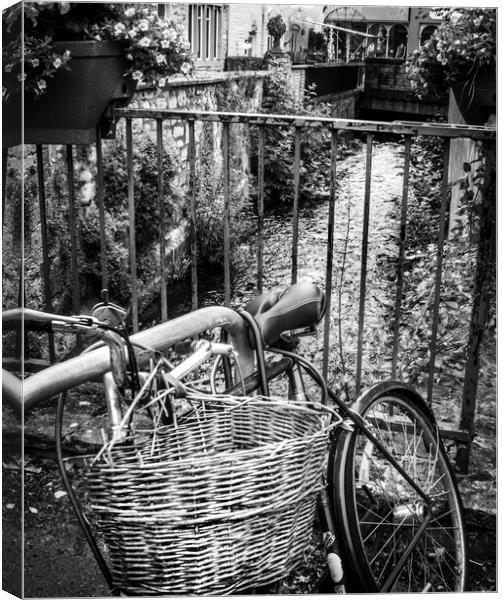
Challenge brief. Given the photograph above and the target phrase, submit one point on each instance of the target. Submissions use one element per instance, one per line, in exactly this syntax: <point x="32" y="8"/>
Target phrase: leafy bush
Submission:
<point x="424" y="205"/>
<point x="147" y="219"/>
<point x="463" y="46"/>
<point x="279" y="98"/>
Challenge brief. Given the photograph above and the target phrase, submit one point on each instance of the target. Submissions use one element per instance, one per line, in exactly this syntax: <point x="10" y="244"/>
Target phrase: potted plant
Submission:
<point x="74" y="58"/>
<point x="460" y="55"/>
<point x="276" y="28"/>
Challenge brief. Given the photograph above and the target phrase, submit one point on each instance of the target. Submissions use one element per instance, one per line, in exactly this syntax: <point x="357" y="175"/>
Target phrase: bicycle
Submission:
<point x="387" y="502"/>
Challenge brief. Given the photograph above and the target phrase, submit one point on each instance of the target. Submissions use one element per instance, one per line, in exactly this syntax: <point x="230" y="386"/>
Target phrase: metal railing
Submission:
<point x="300" y="127"/>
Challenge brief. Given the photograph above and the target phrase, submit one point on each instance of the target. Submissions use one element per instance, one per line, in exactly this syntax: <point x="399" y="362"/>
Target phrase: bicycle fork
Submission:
<point x="334" y="562"/>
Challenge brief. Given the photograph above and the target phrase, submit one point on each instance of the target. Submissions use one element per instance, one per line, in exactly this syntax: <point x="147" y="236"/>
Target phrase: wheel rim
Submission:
<point x="390" y="513"/>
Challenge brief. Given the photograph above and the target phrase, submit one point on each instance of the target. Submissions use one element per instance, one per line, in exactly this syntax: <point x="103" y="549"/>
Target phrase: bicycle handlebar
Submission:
<point x="93" y="365"/>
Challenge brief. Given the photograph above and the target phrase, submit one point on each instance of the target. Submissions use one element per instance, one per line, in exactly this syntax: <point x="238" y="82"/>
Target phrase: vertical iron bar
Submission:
<point x="363" y="269"/>
<point x="330" y="250"/>
<point x="100" y="195"/>
<point x="401" y="255"/>
<point x="5" y="156"/>
<point x="193" y="212"/>
<point x="162" y="224"/>
<point x="72" y="222"/>
<point x="483" y="281"/>
<point x="438" y="271"/>
<point x="227" y="241"/>
<point x="132" y="225"/>
<point x="295" y="218"/>
<point x="46" y="273"/>
<point x="260" y="211"/>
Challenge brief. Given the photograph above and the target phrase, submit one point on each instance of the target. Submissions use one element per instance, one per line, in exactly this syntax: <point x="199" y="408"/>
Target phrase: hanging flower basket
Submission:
<point x="476" y="99"/>
<point x="76" y="99"/>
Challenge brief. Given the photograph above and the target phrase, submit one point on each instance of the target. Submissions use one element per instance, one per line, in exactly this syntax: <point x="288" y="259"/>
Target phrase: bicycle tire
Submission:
<point x="378" y="513"/>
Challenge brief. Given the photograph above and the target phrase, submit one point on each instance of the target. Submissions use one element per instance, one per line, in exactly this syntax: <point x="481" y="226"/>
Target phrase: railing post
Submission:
<point x="260" y="211"/>
<point x="100" y="195"/>
<point x="5" y="157"/>
<point x="363" y="267"/>
<point x="46" y="268"/>
<point x="486" y="255"/>
<point x="193" y="213"/>
<point x="401" y="254"/>
<point x="330" y="250"/>
<point x="227" y="234"/>
<point x="72" y="221"/>
<point x="132" y="225"/>
<point x="295" y="216"/>
<point x="162" y="219"/>
<point x="438" y="271"/>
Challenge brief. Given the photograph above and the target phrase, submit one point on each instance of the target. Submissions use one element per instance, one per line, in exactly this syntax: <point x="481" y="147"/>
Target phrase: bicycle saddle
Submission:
<point x="301" y="305"/>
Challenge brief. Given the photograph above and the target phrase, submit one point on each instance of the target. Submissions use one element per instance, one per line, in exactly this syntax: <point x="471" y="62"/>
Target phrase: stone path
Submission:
<point x="383" y="232"/>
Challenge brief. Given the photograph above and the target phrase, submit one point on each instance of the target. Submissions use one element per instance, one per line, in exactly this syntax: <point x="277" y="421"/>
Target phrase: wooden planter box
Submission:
<point x="75" y="100"/>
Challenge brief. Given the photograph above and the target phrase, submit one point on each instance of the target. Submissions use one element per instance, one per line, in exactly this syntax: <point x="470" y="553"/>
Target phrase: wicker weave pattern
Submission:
<point x="222" y="502"/>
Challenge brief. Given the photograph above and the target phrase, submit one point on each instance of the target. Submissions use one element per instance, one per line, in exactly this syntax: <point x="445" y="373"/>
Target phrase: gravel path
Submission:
<point x="383" y="234"/>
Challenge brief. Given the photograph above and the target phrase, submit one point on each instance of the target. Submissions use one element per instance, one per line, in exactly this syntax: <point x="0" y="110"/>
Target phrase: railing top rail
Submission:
<point x="446" y="130"/>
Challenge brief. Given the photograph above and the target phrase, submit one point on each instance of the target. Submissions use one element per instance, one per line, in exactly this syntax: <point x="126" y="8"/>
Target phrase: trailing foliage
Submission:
<point x="210" y="201"/>
<point x="463" y="46"/>
<point x="280" y="98"/>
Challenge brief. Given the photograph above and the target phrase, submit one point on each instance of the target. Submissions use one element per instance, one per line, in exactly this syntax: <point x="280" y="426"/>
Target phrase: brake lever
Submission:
<point x="78" y="324"/>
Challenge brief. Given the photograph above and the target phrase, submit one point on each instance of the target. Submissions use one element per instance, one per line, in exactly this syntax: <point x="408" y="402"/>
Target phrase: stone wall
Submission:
<point x="240" y="91"/>
<point x="299" y="82"/>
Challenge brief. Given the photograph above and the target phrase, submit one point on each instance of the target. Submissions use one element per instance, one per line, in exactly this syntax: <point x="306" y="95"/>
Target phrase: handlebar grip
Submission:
<point x="34" y="320"/>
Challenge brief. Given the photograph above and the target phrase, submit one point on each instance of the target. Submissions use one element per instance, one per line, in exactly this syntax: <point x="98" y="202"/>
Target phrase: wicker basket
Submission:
<point x="221" y="502"/>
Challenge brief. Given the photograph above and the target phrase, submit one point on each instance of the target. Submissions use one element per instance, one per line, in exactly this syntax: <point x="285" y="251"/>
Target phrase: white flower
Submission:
<point x="129" y="12"/>
<point x="161" y="82"/>
<point x="67" y="54"/>
<point x="119" y="28"/>
<point x="145" y="42"/>
<point x="138" y="75"/>
<point x="160" y="59"/>
<point x="169" y="34"/>
<point x="185" y="68"/>
<point x="42" y="84"/>
<point x="164" y="44"/>
<point x="129" y="56"/>
<point x="34" y="63"/>
<point x="22" y="77"/>
<point x="132" y="32"/>
<point x="143" y="25"/>
<point x="57" y="62"/>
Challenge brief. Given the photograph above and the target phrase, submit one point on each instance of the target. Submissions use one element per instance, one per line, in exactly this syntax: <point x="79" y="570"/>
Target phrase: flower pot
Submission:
<point x="75" y="100"/>
<point x="475" y="100"/>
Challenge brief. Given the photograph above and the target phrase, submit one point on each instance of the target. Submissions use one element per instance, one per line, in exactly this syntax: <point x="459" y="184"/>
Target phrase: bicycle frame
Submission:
<point x="96" y="365"/>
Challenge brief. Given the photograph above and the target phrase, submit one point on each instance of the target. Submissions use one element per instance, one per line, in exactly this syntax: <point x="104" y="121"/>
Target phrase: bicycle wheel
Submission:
<point x="396" y="536"/>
